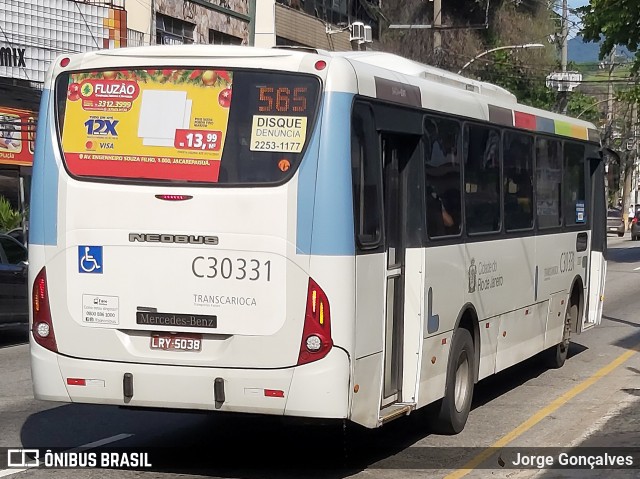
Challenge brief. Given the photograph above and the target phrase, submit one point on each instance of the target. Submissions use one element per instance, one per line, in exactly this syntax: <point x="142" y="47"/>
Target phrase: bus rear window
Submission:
<point x="185" y="125"/>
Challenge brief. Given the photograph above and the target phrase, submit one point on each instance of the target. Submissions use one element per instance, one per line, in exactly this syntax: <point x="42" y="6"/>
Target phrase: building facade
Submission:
<point x="323" y="24"/>
<point x="223" y="22"/>
<point x="34" y="33"/>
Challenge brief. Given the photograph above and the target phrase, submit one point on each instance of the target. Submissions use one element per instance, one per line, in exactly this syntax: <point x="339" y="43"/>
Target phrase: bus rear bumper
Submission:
<point x="318" y="389"/>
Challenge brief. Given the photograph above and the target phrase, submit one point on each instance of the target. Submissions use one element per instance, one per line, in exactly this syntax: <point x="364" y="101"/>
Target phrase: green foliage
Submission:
<point x="585" y="106"/>
<point x="616" y="22"/>
<point x="9" y="218"/>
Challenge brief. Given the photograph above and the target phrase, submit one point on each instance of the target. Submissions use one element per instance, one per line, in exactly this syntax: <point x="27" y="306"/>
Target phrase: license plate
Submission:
<point x="176" y="341"/>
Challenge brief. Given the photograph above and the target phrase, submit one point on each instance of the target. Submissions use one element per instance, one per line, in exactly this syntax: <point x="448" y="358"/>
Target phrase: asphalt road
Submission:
<point x="591" y="401"/>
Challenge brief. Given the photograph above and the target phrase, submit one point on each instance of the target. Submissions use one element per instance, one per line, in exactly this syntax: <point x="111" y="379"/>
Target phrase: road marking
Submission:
<point x="541" y="414"/>
<point x="636" y="269"/>
<point x="91" y="445"/>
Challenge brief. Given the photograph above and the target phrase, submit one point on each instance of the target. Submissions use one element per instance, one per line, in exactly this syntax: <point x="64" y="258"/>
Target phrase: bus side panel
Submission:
<point x="332" y="263"/>
<point x="598" y="243"/>
<point x="597" y="275"/>
<point x="521" y="335"/>
<point x="498" y="279"/>
<point x="43" y="215"/>
<point x="433" y="370"/>
<point x="413" y="323"/>
<point x="488" y="347"/>
<point x="367" y="375"/>
<point x="555" y="319"/>
<point x="369" y="339"/>
<point x="321" y="389"/>
<point x="499" y="283"/>
<point x="443" y="297"/>
<point x="558" y="265"/>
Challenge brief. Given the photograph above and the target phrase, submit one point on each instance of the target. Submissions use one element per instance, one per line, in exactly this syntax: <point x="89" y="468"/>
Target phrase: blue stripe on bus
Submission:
<point x="43" y="225"/>
<point x="333" y="210"/>
<point x="307" y="192"/>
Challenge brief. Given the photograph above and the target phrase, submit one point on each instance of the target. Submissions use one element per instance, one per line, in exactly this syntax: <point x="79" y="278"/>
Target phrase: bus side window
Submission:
<point x="366" y="171"/>
<point x="548" y="182"/>
<point x="442" y="177"/>
<point x="482" y="179"/>
<point x="518" y="181"/>
<point x="575" y="201"/>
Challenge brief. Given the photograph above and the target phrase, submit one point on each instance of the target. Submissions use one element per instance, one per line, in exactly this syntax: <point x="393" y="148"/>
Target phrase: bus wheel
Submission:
<point x="557" y="355"/>
<point x="456" y="403"/>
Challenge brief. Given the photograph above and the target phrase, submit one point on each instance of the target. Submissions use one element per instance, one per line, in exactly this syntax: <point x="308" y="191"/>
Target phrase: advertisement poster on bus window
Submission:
<point x="17" y="136"/>
<point x="147" y="124"/>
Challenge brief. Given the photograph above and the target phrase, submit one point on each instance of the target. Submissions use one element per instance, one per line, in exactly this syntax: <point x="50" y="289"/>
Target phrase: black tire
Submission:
<point x="454" y="407"/>
<point x="620" y="235"/>
<point x="557" y="355"/>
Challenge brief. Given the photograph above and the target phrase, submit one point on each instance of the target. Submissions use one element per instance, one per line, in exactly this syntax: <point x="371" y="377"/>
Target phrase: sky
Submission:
<point x="575" y="21"/>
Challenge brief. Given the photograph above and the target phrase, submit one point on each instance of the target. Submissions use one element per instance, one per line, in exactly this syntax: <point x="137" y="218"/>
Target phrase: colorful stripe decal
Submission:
<point x="545" y="125"/>
<point x="502" y="116"/>
<point x="563" y="128"/>
<point x="579" y="132"/>
<point x="525" y="120"/>
<point x="528" y="121"/>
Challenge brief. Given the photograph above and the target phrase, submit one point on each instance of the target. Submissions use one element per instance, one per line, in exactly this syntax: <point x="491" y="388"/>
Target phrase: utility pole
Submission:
<point x="437" y="22"/>
<point x="565" y="35"/>
<point x="564" y="95"/>
<point x="610" y="94"/>
<point x="635" y="148"/>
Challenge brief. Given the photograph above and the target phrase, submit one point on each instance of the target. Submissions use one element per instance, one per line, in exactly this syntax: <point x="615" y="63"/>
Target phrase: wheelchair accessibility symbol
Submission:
<point x="90" y="259"/>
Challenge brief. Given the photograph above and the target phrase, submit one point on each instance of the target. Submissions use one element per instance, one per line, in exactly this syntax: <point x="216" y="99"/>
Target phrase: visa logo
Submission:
<point x="106" y="146"/>
<point x="101" y="127"/>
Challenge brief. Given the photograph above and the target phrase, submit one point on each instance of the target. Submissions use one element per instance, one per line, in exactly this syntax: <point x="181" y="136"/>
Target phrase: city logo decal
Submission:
<point x="472" y="276"/>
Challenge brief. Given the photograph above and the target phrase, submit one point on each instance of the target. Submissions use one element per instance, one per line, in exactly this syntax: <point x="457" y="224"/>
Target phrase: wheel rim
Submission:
<point x="462" y="381"/>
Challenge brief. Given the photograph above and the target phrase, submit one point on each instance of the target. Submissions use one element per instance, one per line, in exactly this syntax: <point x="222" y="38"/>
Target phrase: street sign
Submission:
<point x="564" y="81"/>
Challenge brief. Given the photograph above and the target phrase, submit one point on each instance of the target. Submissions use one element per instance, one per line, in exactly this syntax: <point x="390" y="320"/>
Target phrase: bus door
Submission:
<point x="389" y="261"/>
<point x="597" y="256"/>
<point x="402" y="222"/>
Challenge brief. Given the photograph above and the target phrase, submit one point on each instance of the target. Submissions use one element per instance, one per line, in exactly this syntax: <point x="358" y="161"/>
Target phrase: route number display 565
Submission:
<point x="228" y="268"/>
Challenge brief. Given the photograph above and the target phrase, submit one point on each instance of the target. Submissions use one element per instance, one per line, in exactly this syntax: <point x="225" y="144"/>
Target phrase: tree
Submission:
<point x="615" y="22"/>
<point x="9" y="218"/>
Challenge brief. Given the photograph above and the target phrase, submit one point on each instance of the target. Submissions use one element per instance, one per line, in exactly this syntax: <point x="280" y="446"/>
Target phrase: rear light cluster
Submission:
<point x="635" y="220"/>
<point x="42" y="326"/>
<point x="316" y="334"/>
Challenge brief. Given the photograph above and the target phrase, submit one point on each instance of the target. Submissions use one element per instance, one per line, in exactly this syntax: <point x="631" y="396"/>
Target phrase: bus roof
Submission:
<point x="440" y="90"/>
<point x="456" y="92"/>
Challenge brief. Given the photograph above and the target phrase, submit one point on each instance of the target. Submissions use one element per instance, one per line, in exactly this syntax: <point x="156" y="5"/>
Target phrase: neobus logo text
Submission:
<point x="167" y="238"/>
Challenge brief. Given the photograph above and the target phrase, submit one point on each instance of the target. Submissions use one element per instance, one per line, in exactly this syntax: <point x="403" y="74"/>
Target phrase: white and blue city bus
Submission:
<point x="302" y="233"/>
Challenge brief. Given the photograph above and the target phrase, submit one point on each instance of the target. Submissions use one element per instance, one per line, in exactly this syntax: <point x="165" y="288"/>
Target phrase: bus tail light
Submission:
<point x="634" y="220"/>
<point x="316" y="334"/>
<point x="42" y="325"/>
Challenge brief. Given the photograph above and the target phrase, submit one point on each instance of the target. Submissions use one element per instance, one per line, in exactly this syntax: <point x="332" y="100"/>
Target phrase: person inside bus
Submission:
<point x="439" y="220"/>
<point x="442" y="178"/>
